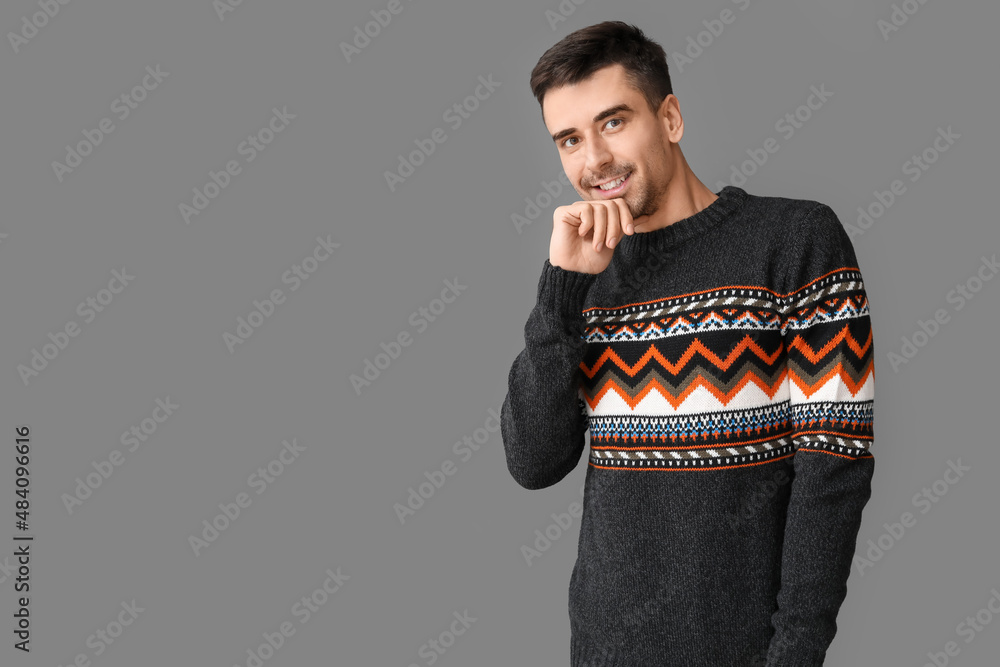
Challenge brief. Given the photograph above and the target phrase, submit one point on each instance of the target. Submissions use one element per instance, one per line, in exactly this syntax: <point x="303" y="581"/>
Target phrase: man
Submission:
<point x="718" y="347"/>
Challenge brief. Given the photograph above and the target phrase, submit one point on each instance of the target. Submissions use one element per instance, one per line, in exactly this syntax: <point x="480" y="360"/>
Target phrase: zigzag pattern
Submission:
<point x="690" y="371"/>
<point x="730" y="376"/>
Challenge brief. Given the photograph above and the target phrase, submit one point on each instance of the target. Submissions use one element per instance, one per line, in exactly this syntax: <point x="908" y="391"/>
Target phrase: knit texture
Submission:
<point x="723" y="368"/>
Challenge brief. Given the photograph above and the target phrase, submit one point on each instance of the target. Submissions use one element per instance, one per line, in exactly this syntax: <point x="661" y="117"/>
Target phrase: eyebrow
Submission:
<point x="610" y="111"/>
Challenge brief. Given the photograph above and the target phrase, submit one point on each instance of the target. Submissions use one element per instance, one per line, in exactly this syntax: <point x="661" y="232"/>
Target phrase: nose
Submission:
<point x="598" y="155"/>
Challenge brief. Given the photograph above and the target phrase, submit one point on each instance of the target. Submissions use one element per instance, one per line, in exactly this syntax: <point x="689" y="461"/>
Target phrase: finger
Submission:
<point x="566" y="215"/>
<point x="600" y="225"/>
<point x="614" y="225"/>
<point x="587" y="218"/>
<point x="628" y="225"/>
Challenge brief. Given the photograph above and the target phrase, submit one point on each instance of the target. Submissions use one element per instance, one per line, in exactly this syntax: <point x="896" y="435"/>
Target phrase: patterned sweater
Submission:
<point x="723" y="367"/>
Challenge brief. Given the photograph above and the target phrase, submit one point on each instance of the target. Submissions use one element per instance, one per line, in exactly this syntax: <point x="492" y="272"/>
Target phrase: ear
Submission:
<point x="670" y="118"/>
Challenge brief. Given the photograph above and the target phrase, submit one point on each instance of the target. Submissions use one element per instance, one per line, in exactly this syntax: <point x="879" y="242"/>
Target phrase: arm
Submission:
<point x="541" y="421"/>
<point x="828" y="338"/>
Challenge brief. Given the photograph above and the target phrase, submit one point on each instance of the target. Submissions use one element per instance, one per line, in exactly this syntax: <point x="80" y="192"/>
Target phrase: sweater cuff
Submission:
<point x="563" y="292"/>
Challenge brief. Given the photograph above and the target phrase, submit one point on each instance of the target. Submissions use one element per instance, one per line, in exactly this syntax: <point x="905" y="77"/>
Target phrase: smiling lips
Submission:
<point x="617" y="189"/>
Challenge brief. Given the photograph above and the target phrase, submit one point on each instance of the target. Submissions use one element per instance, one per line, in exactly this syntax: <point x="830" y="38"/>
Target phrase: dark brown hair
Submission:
<point x="579" y="54"/>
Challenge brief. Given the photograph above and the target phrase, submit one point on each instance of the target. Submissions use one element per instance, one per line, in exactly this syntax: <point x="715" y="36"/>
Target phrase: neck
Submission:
<point x="685" y="195"/>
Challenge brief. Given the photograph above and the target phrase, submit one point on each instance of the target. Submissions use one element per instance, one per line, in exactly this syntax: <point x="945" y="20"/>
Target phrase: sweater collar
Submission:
<point x="632" y="247"/>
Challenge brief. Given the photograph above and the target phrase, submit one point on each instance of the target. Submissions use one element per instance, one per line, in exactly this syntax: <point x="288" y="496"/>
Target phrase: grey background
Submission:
<point x="323" y="175"/>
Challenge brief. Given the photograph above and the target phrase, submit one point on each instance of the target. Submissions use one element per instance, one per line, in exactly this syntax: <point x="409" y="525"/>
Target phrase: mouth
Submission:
<point x="616" y="190"/>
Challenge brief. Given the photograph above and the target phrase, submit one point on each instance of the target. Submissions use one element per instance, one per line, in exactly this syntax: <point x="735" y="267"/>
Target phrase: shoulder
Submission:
<point x="778" y="226"/>
<point x="776" y="221"/>
<point x="796" y="240"/>
<point x="811" y="241"/>
<point x="790" y="217"/>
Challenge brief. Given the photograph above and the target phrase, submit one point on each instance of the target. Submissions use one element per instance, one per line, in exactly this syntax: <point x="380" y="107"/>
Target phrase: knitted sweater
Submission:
<point x="723" y="366"/>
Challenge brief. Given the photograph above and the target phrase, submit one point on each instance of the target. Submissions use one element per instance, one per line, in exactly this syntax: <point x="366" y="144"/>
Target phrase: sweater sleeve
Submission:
<point x="542" y="422"/>
<point x="828" y="336"/>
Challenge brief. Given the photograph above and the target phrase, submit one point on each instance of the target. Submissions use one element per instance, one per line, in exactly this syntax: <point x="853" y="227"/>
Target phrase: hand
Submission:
<point x="585" y="233"/>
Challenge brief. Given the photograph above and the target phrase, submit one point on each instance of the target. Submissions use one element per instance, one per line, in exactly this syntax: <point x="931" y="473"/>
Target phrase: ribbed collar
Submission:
<point x="632" y="247"/>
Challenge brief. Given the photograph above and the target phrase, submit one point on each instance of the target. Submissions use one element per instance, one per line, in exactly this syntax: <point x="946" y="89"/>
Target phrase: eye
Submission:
<point x="619" y="120"/>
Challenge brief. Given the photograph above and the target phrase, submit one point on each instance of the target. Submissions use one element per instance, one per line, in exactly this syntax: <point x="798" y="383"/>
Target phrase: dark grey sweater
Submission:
<point x="723" y="366"/>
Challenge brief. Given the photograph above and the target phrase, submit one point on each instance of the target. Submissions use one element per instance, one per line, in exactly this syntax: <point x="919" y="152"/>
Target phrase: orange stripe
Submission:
<point x="843" y="456"/>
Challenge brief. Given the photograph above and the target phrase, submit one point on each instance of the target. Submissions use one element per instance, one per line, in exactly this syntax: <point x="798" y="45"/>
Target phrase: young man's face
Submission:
<point x="598" y="140"/>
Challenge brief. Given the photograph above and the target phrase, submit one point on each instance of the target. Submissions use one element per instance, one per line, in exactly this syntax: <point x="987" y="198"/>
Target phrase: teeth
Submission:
<point x="613" y="184"/>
